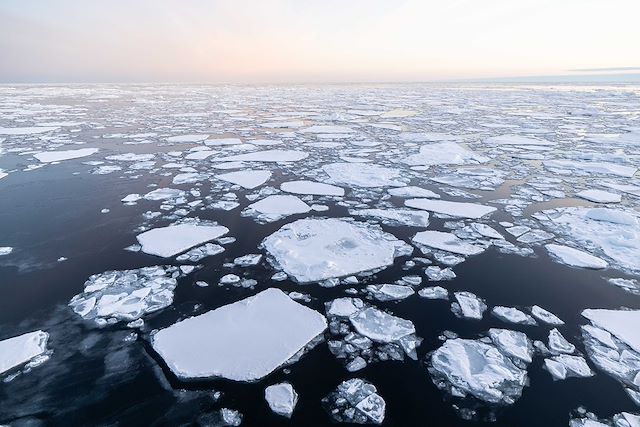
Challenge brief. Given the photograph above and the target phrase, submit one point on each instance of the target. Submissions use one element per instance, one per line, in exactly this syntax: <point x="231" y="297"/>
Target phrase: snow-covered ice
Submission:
<point x="247" y="179"/>
<point x="446" y="242"/>
<point x="17" y="351"/>
<point x="355" y="401"/>
<point x="282" y="398"/>
<point x="174" y="239"/>
<point x="58" y="156"/>
<point x="456" y="209"/>
<point x="575" y="257"/>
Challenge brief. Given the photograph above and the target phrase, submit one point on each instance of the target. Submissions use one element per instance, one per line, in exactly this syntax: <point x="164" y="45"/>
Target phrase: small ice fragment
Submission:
<point x="282" y="398"/>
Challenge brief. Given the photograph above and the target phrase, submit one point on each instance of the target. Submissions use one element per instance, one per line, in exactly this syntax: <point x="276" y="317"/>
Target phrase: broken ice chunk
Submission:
<point x="247" y="179"/>
<point x="311" y="187"/>
<point x="559" y="344"/>
<point x="355" y="401"/>
<point x="380" y="326"/>
<point x="599" y="196"/>
<point x="546" y="316"/>
<point x="243" y="341"/>
<point x="434" y="292"/>
<point x="282" y="398"/>
<point x="363" y="175"/>
<point x="468" y="305"/>
<point x="273" y="208"/>
<point x="564" y="366"/>
<point x="57" y="156"/>
<point x="512" y="343"/>
<point x="125" y="295"/>
<point x="409" y="192"/>
<point x="447" y="242"/>
<point x="390" y="292"/>
<point x="512" y="315"/>
<point x="395" y="216"/>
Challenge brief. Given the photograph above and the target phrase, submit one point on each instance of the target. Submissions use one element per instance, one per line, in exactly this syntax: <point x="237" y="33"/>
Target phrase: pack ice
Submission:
<point x="243" y="341"/>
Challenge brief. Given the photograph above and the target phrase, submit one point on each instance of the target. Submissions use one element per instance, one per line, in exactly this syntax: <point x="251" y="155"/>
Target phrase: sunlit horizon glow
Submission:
<point x="312" y="41"/>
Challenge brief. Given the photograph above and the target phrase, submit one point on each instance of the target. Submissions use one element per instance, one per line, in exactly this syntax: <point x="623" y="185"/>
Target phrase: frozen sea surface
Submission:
<point x="403" y="255"/>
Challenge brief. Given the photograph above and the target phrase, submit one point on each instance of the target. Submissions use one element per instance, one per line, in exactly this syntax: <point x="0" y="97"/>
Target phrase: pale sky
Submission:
<point x="311" y="40"/>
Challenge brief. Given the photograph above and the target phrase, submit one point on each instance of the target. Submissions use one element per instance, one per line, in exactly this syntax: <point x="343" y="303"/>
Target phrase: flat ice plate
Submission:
<point x="243" y="341"/>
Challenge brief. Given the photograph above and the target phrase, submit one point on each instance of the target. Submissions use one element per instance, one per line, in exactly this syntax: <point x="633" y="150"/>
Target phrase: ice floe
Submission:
<point x="311" y="187"/>
<point x="446" y="242"/>
<point x="247" y="179"/>
<point x="575" y="257"/>
<point x="355" y="401"/>
<point x="17" y="351"/>
<point x="58" y="156"/>
<point x="174" y="239"/>
<point x="315" y="249"/>
<point x="363" y="175"/>
<point x="456" y="209"/>
<point x="282" y="398"/>
<point x="244" y="341"/>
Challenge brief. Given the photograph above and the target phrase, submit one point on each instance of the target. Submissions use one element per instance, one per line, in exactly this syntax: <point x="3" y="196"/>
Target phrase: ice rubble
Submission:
<point x="244" y="341"/>
<point x="17" y="351"/>
<point x="315" y="249"/>
<point x="477" y="368"/>
<point x="174" y="239"/>
<point x="362" y="334"/>
<point x="613" y="232"/>
<point x="247" y="179"/>
<point x="282" y="399"/>
<point x="57" y="156"/>
<point x="575" y="257"/>
<point x="355" y="401"/>
<point x="311" y="187"/>
<point x="447" y="242"/>
<point x="363" y="175"/>
<point x="126" y="295"/>
<point x="456" y="209"/>
<point x="395" y="216"/>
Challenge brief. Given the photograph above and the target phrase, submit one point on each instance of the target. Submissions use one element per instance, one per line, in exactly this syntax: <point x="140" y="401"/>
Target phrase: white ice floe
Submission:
<point x="545" y="316"/>
<point x="266" y="156"/>
<point x="558" y="344"/>
<point x="613" y="233"/>
<point x="363" y="175"/>
<point x="514" y="344"/>
<point x="517" y="140"/>
<point x="222" y="141"/>
<point x="434" y="292"/>
<point x="29" y="130"/>
<point x="575" y="257"/>
<point x="380" y="326"/>
<point x="395" y="216"/>
<point x="468" y="305"/>
<point x="275" y="207"/>
<point x="174" y="239"/>
<point x="5" y="250"/>
<point x="187" y="138"/>
<point x="311" y="187"/>
<point x="390" y="292"/>
<point x="623" y="324"/>
<point x="243" y="341"/>
<point x="164" y="194"/>
<point x="247" y="179"/>
<point x="486" y="231"/>
<point x="316" y="249"/>
<point x="125" y="295"/>
<point x="282" y="398"/>
<point x="512" y="315"/>
<point x="411" y="192"/>
<point x="446" y="242"/>
<point x="472" y="367"/>
<point x="327" y="129"/>
<point x="355" y="401"/>
<point x="567" y="167"/>
<point x="437" y="274"/>
<point x="443" y="153"/>
<point x="564" y="366"/>
<point x="599" y="196"/>
<point x="57" y="156"/>
<point x="456" y="209"/>
<point x="17" y="351"/>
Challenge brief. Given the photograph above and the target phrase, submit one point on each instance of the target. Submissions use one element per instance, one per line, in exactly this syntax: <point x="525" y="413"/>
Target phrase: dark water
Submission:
<point x="95" y="378"/>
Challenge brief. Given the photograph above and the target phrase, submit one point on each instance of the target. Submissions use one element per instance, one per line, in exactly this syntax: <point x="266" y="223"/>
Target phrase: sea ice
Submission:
<point x="599" y="196"/>
<point x="355" y="401"/>
<point x="125" y="295"/>
<point x="395" y="216"/>
<point x="282" y="398"/>
<point x="564" y="366"/>
<point x="512" y="315"/>
<point x="575" y="257"/>
<point x="446" y="242"/>
<point x="57" y="156"/>
<point x="242" y="341"/>
<point x="315" y="249"/>
<point x="311" y="187"/>
<point x="363" y="175"/>
<point x="546" y="316"/>
<point x="411" y="191"/>
<point x="266" y="156"/>
<point x="514" y="344"/>
<point x="17" y="351"/>
<point x="275" y="207"/>
<point x="380" y="326"/>
<point x="456" y="209"/>
<point x="174" y="239"/>
<point x="443" y="153"/>
<point x="468" y="305"/>
<point x="247" y="179"/>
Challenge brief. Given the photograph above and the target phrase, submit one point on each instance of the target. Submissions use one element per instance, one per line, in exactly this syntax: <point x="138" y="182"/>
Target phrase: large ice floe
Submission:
<point x="126" y="295"/>
<point x="275" y="207"/>
<point x="315" y="249"/>
<point x="446" y="152"/>
<point x="58" y="156"/>
<point x="23" y="349"/>
<point x="612" y="342"/>
<point x="493" y="371"/>
<point x="363" y="175"/>
<point x="242" y="341"/>
<point x="610" y="234"/>
<point x="246" y="179"/>
<point x="355" y="401"/>
<point x="174" y="239"/>
<point x="455" y="209"/>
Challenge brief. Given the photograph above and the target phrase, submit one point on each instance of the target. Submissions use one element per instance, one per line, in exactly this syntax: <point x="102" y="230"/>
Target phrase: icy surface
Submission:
<point x="311" y="250"/>
<point x="446" y="242"/>
<point x="575" y="257"/>
<point x="242" y="341"/>
<point x="311" y="187"/>
<point x="57" y="156"/>
<point x="363" y="175"/>
<point x="282" y="398"/>
<point x="246" y="179"/>
<point x="457" y="209"/>
<point x="355" y="401"/>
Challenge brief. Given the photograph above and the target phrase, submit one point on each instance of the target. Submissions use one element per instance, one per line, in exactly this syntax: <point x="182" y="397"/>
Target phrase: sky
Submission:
<point x="314" y="40"/>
